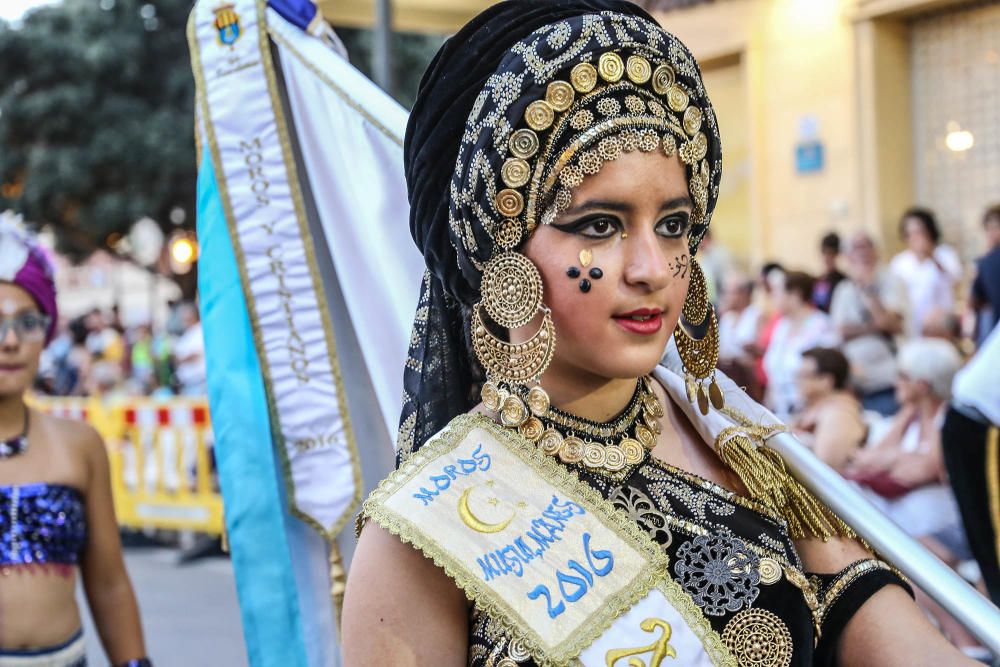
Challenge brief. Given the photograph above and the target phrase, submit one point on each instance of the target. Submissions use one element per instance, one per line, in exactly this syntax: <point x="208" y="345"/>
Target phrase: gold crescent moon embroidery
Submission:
<point x="474" y="522"/>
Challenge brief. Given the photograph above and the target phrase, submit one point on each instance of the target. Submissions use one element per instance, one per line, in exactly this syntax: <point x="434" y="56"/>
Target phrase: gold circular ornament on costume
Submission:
<point x="595" y="456"/>
<point x="634" y="104"/>
<point x="645" y="436"/>
<point x="523" y="143"/>
<point x="669" y="145"/>
<point x="512" y="412"/>
<point x="491" y="397"/>
<point x="677" y="99"/>
<point x="509" y="233"/>
<point x="638" y="69"/>
<point x="515" y="172"/>
<point x="571" y="176"/>
<point x="511" y="289"/>
<point x="517" y="651"/>
<point x="610" y="67"/>
<point x="649" y="141"/>
<point x="506" y="662"/>
<point x="692" y="120"/>
<point x="770" y="571"/>
<point x="550" y="442"/>
<point x="572" y="450"/>
<point x="539" y="115"/>
<point x="653" y="405"/>
<point x="532" y="429"/>
<point x="663" y="78"/>
<point x="614" y="459"/>
<point x="560" y="95"/>
<point x="538" y="401"/>
<point x="583" y="77"/>
<point x="510" y="203"/>
<point x="758" y="638"/>
<point x="651" y="422"/>
<point x="632" y="450"/>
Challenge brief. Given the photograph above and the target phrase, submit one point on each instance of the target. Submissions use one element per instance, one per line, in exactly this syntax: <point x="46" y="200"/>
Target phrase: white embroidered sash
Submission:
<point x="576" y="580"/>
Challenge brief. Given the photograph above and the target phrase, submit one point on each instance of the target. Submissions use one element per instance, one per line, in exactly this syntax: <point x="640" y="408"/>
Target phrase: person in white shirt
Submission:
<point x="868" y="310"/>
<point x="739" y="327"/>
<point x="802" y="326"/>
<point x="189" y="354"/>
<point x="929" y="269"/>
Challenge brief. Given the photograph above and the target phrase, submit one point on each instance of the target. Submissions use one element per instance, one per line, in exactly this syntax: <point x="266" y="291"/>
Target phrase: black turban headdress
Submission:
<point x="463" y="133"/>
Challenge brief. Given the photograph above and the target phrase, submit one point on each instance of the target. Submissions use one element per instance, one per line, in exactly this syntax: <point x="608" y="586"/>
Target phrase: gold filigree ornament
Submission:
<point x="583" y="77"/>
<point x="509" y="233"/>
<point x="758" y="638"/>
<point x="511" y="289"/>
<point x="692" y="120"/>
<point x="559" y="95"/>
<point x="610" y="67"/>
<point x="638" y="70"/>
<point x="699" y="354"/>
<point x="513" y="363"/>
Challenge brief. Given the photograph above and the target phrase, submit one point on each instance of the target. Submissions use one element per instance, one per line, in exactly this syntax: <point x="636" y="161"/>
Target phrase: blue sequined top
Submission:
<point x="41" y="523"/>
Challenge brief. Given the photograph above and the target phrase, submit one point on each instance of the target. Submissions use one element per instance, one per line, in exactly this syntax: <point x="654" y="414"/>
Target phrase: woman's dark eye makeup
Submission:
<point x="602" y="225"/>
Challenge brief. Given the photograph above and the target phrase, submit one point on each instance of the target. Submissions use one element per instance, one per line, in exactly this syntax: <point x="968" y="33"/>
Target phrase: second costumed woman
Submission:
<point x="560" y="497"/>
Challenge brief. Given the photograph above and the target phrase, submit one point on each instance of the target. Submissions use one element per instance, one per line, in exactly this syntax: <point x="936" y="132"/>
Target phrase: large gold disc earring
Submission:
<point x="699" y="352"/>
<point x="511" y="290"/>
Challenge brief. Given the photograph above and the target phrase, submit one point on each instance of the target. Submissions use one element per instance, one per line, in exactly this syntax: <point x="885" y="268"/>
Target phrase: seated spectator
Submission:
<point x="801" y="327"/>
<point x="928" y="268"/>
<point x="830" y="422"/>
<point x="739" y="326"/>
<point x="822" y="294"/>
<point x="868" y="311"/>
<point x="902" y="469"/>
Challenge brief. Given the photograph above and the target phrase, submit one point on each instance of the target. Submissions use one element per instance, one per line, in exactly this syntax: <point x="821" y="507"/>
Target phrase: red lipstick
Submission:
<point x="642" y="321"/>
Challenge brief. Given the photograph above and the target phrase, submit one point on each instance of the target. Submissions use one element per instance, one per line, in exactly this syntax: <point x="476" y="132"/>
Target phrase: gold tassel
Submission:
<point x="767" y="480"/>
<point x="338" y="581"/>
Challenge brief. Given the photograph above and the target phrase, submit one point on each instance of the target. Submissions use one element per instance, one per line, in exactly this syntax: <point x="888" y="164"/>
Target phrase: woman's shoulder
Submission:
<point x="70" y="434"/>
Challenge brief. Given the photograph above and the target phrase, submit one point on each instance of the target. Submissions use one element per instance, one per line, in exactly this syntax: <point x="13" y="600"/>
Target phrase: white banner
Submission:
<point x="249" y="140"/>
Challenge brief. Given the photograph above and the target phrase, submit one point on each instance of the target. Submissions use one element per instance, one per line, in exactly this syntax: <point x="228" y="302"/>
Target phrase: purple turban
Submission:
<point x="24" y="263"/>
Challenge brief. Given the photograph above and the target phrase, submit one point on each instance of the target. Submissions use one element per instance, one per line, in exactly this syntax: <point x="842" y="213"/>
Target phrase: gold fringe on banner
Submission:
<point x="767" y="480"/>
<point x="338" y="581"/>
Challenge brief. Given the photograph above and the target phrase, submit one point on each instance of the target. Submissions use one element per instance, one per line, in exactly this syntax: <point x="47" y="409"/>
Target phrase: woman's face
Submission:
<point x="632" y="218"/>
<point x="917" y="238"/>
<point x="22" y="341"/>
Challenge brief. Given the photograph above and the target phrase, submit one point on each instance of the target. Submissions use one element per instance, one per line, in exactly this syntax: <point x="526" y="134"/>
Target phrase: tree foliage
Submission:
<point x="96" y="119"/>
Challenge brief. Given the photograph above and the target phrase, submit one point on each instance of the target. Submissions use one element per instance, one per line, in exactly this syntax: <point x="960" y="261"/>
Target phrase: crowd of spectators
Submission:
<point x="861" y="362"/>
<point x="96" y="355"/>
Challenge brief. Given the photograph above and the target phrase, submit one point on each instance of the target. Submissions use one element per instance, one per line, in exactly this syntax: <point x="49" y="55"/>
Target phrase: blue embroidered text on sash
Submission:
<point x="479" y="462"/>
<point x="545" y="529"/>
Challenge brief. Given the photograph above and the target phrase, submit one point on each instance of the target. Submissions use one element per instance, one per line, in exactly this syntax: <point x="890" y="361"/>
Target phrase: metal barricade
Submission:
<point x="160" y="453"/>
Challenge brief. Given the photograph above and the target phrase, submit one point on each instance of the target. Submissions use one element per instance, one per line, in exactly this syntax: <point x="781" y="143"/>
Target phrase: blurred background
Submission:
<point x="837" y="116"/>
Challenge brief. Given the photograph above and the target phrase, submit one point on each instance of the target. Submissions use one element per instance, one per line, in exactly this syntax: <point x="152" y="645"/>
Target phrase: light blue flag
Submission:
<point x="256" y="510"/>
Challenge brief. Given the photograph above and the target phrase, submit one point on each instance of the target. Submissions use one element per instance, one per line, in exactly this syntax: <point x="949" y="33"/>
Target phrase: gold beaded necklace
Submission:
<point x="607" y="447"/>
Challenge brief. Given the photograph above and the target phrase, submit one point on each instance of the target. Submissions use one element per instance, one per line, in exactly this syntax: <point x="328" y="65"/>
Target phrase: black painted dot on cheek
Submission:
<point x="596" y="273"/>
<point x="585" y="285"/>
<point x="573" y="272"/>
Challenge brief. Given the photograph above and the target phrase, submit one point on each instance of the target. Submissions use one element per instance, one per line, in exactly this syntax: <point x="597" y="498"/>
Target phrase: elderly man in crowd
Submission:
<point x="868" y="310"/>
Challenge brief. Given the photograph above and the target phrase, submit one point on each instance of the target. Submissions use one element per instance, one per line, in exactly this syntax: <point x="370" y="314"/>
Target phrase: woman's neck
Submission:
<point x="587" y="395"/>
<point x="12" y="410"/>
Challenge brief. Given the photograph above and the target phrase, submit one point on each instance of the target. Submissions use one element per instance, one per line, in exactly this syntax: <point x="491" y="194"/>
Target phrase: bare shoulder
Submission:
<point x="390" y="581"/>
<point x="73" y="435"/>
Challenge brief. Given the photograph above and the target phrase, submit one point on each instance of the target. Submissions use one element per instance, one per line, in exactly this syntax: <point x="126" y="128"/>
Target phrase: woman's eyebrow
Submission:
<point x="597" y="204"/>
<point x="678" y="202"/>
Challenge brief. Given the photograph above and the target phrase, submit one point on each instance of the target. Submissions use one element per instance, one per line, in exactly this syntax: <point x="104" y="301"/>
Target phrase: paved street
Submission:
<point x="189" y="612"/>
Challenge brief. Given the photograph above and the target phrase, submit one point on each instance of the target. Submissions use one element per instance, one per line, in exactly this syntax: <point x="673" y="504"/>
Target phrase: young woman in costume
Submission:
<point x="561" y="498"/>
<point x="56" y="511"/>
